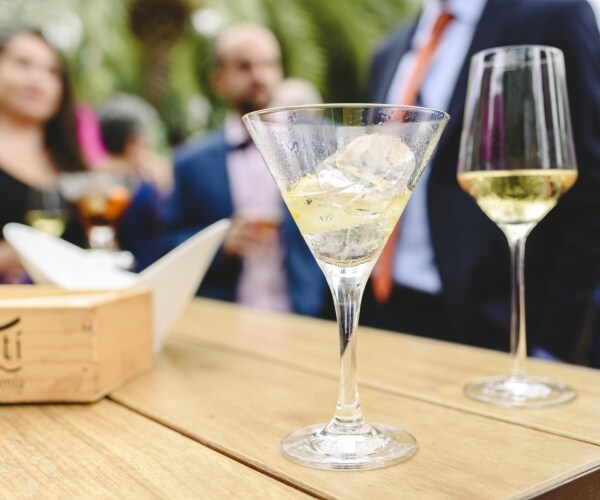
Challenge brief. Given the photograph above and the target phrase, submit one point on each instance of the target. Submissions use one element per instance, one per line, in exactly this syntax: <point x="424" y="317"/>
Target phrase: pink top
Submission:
<point x="263" y="281"/>
<point x="89" y="136"/>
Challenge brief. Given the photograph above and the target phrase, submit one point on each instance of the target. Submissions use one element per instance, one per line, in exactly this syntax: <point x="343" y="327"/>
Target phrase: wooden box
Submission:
<point x="65" y="346"/>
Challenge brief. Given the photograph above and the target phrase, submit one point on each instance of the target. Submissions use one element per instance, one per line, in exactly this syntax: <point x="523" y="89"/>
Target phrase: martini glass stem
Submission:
<point x="101" y="238"/>
<point x="518" y="342"/>
<point x="347" y="286"/>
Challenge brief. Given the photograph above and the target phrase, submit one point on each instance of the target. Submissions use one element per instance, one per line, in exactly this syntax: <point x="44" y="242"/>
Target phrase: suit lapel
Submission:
<point x="223" y="182"/>
<point x="212" y="180"/>
<point x="485" y="36"/>
<point x="402" y="47"/>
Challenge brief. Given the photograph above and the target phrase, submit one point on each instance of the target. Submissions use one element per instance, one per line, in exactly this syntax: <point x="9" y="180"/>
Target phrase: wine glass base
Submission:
<point x="377" y="446"/>
<point x="519" y="392"/>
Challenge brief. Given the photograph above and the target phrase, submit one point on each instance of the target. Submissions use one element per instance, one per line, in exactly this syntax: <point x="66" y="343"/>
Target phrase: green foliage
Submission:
<point x="93" y="35"/>
<point x="328" y="42"/>
<point x="108" y="58"/>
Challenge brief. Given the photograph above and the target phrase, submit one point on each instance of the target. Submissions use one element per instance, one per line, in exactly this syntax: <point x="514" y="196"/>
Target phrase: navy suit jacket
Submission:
<point x="202" y="196"/>
<point x="563" y="253"/>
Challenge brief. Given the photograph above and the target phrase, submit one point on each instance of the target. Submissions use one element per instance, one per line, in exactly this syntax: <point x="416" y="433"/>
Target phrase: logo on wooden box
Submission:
<point x="10" y="355"/>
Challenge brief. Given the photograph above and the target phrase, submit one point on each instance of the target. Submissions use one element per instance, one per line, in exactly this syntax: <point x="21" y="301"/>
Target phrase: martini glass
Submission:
<point x="346" y="173"/>
<point x="100" y="198"/>
<point x="517" y="158"/>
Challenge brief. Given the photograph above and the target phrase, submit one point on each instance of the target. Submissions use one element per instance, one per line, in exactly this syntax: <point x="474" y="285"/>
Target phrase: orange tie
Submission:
<point x="381" y="279"/>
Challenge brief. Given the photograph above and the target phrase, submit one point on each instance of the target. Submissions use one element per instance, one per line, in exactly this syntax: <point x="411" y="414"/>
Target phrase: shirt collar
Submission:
<point x="464" y="11"/>
<point x="234" y="130"/>
<point x="467" y="11"/>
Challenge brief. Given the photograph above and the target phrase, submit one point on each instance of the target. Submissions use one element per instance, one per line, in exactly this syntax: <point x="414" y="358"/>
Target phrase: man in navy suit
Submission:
<point x="264" y="261"/>
<point x="451" y="267"/>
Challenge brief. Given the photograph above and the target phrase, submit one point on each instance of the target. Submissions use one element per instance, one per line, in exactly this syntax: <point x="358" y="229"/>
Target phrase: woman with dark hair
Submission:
<point x="38" y="138"/>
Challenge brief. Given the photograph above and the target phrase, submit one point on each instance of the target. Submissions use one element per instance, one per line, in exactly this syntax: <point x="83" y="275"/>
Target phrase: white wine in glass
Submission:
<point x="47" y="211"/>
<point x="517" y="200"/>
<point x="517" y="159"/>
<point x="346" y="173"/>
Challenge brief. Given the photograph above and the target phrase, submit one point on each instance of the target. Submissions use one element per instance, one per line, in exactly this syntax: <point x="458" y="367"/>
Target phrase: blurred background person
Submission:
<point x="264" y="262"/>
<point x="130" y="128"/>
<point x="38" y="137"/>
<point x="450" y="270"/>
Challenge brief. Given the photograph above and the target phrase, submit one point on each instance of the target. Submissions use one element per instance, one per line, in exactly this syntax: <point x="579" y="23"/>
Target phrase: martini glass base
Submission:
<point x="121" y="259"/>
<point x="519" y="392"/>
<point x="376" y="446"/>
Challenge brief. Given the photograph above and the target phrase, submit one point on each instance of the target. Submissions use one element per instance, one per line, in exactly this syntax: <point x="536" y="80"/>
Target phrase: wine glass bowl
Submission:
<point x="516" y="160"/>
<point x="345" y="173"/>
<point x="47" y="211"/>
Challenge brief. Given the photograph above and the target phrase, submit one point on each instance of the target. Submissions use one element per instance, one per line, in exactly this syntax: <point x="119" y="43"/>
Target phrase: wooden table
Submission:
<point x="206" y="421"/>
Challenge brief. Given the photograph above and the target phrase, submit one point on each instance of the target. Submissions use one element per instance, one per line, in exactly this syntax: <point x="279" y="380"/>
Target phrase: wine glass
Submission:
<point x="516" y="159"/>
<point x="345" y="173"/>
<point x="100" y="198"/>
<point x="47" y="211"/>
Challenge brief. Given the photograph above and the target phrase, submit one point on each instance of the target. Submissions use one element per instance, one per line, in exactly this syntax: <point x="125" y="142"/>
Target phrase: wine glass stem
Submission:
<point x="347" y="286"/>
<point x="518" y="342"/>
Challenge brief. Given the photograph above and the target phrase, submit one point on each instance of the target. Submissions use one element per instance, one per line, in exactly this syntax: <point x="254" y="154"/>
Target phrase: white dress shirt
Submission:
<point x="414" y="262"/>
<point x="262" y="282"/>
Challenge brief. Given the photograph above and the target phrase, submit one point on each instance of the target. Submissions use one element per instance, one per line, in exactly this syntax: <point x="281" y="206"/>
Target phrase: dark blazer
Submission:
<point x="201" y="197"/>
<point x="563" y="252"/>
<point x="138" y="229"/>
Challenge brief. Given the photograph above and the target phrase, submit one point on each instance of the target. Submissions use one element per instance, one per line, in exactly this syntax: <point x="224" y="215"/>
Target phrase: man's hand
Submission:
<point x="250" y="237"/>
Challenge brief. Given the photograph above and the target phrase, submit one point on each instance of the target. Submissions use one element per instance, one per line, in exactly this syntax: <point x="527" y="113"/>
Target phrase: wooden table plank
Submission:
<point x="403" y="364"/>
<point x="107" y="451"/>
<point x="242" y="406"/>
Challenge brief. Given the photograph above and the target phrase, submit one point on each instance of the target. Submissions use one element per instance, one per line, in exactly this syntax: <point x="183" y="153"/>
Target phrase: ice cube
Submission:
<point x="378" y="161"/>
<point x="331" y="178"/>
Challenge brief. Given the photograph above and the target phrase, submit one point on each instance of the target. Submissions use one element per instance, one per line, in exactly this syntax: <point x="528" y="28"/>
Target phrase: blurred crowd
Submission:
<point x="450" y="267"/>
